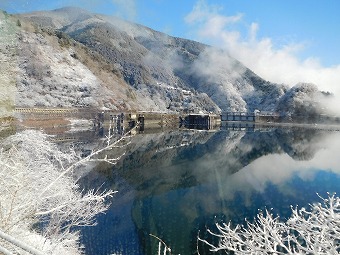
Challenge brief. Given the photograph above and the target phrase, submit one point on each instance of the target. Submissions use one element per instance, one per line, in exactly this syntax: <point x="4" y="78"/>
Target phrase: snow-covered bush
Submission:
<point x="314" y="231"/>
<point x="40" y="202"/>
<point x="302" y="102"/>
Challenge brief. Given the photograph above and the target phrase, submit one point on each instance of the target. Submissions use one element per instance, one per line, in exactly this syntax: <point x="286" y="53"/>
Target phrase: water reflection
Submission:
<point x="173" y="184"/>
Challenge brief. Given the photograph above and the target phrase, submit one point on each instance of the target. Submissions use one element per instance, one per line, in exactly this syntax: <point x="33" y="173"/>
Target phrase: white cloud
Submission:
<point x="276" y="64"/>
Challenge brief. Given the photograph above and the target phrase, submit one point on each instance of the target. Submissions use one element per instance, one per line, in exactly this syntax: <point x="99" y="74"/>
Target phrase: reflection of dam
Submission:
<point x="179" y="157"/>
<point x="190" y="193"/>
<point x="178" y="180"/>
<point x="238" y="126"/>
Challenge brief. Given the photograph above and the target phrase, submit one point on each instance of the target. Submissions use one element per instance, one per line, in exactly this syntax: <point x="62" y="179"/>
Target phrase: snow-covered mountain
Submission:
<point x="70" y="57"/>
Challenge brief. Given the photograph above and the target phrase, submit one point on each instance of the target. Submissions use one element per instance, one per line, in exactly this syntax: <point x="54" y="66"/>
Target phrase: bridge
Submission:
<point x="238" y="116"/>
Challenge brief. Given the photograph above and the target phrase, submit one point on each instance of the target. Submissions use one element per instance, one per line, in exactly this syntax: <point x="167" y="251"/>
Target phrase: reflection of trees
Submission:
<point x="163" y="161"/>
<point x="181" y="178"/>
<point x="300" y="144"/>
<point x="156" y="162"/>
<point x="160" y="162"/>
<point x="223" y="154"/>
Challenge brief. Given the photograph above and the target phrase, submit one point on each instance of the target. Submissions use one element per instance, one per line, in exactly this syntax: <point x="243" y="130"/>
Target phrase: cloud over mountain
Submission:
<point x="70" y="57"/>
<point x="276" y="64"/>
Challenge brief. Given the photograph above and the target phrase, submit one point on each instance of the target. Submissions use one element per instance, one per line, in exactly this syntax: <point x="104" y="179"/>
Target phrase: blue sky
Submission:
<point x="283" y="40"/>
<point x="312" y="22"/>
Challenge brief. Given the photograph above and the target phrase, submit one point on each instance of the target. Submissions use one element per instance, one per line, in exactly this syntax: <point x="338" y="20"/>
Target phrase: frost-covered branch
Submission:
<point x="90" y="158"/>
<point x="162" y="247"/>
<point x="316" y="231"/>
<point x="40" y="201"/>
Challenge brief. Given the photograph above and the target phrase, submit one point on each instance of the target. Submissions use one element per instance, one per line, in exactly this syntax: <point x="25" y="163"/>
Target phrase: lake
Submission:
<point x="176" y="184"/>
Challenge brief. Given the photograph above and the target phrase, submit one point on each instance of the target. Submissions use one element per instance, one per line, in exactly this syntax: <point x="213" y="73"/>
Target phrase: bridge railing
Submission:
<point x="238" y="116"/>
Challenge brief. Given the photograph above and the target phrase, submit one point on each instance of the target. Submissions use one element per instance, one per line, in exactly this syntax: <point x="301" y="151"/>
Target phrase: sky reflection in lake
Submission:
<point x="174" y="184"/>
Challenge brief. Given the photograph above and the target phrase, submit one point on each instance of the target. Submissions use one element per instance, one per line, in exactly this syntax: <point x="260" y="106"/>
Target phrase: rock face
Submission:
<point x="70" y="57"/>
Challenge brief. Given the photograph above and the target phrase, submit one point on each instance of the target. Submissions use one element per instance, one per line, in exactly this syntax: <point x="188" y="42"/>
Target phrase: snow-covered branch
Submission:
<point x="162" y="247"/>
<point x="91" y="156"/>
<point x="314" y="231"/>
<point x="40" y="201"/>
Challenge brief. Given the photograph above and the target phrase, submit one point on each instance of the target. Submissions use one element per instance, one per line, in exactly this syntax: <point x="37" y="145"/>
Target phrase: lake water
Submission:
<point x="176" y="184"/>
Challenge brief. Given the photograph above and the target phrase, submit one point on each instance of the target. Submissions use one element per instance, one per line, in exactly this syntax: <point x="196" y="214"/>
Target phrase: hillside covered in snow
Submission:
<point x="72" y="58"/>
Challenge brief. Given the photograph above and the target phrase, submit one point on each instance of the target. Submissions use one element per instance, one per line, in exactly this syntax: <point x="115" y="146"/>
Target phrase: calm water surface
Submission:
<point x="176" y="184"/>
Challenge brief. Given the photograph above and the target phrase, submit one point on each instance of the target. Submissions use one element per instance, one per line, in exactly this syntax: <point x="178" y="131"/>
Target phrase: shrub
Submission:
<point x="314" y="231"/>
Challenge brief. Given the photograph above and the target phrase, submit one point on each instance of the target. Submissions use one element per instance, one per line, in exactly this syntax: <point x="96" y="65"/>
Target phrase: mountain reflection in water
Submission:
<point x="176" y="184"/>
